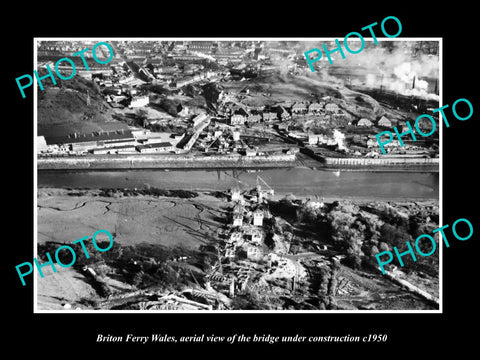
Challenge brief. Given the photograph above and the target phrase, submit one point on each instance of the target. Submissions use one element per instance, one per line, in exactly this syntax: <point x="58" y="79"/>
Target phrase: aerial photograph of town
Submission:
<point x="232" y="177"/>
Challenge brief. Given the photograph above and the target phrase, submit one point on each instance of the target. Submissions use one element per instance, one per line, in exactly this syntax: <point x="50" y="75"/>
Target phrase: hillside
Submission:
<point x="67" y="103"/>
<point x="276" y="88"/>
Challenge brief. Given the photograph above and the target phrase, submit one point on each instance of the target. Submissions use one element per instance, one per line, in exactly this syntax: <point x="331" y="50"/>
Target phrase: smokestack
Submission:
<point x="232" y="287"/>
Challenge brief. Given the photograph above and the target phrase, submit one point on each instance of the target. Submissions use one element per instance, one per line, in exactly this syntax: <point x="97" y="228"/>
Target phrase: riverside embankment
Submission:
<point x="383" y="163"/>
<point x="154" y="161"/>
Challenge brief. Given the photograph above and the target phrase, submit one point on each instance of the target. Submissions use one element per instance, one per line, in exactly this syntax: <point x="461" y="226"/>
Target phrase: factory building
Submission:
<point x="155" y="148"/>
<point x="84" y="137"/>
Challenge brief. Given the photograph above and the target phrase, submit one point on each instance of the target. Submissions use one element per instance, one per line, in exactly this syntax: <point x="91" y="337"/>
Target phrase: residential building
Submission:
<point x="364" y="122"/>
<point x="282" y="113"/>
<point x="255" y="237"/>
<point x="236" y="236"/>
<point x="299" y="108"/>
<point x="201" y="46"/>
<point x="230" y="252"/>
<point x="237" y="120"/>
<point x="315" y="109"/>
<point x="254" y="118"/>
<point x="254" y="252"/>
<point x="139" y="101"/>
<point x="236" y="135"/>
<point x="41" y="144"/>
<point x="315" y="139"/>
<point x="373" y="143"/>
<point x="269" y="116"/>
<point x="237" y="220"/>
<point x="258" y="218"/>
<point x="236" y="194"/>
<point x="384" y="122"/>
<point x="238" y="208"/>
<point x="332" y="107"/>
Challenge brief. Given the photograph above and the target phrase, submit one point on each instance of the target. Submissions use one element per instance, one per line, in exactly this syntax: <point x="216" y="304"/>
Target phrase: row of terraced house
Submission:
<point x="283" y="112"/>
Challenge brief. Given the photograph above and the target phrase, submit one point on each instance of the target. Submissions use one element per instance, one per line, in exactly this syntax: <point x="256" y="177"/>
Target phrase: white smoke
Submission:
<point x="371" y="80"/>
<point x="340" y="139"/>
<point x="205" y="56"/>
<point x="404" y="72"/>
<point x="403" y="80"/>
<point x="392" y="67"/>
<point x="407" y="82"/>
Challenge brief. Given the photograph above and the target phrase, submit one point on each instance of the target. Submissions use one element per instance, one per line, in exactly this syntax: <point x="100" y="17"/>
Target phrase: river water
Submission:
<point x="299" y="181"/>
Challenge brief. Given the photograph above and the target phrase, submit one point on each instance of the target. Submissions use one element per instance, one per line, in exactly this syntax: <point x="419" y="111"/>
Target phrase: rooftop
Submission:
<point x="156" y="145"/>
<point x="85" y="132"/>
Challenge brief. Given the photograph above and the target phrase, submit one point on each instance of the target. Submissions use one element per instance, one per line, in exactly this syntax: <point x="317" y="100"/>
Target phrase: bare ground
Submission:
<point x="64" y="218"/>
<point x="140" y="219"/>
<point x="66" y="215"/>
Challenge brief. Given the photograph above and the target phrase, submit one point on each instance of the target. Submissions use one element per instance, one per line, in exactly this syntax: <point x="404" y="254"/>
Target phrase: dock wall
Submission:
<point x="155" y="161"/>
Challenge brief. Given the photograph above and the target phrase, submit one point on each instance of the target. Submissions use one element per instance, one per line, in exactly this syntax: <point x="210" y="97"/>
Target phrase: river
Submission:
<point x="299" y="181"/>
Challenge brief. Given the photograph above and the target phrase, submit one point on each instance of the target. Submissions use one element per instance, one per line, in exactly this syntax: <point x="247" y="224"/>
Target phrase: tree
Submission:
<point x="391" y="235"/>
<point x="141" y="116"/>
<point x="384" y="246"/>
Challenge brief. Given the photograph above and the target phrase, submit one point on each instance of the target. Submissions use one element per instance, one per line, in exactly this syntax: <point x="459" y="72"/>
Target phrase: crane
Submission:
<point x="270" y="191"/>
<point x="208" y="146"/>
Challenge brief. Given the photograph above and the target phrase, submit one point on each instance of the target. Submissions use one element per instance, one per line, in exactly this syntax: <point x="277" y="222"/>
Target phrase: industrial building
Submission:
<point x="155" y="148"/>
<point x="114" y="150"/>
<point x="86" y="136"/>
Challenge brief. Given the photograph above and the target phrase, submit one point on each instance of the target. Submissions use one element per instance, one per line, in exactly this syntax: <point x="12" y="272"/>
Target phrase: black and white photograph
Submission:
<point x="294" y="178"/>
<point x="237" y="175"/>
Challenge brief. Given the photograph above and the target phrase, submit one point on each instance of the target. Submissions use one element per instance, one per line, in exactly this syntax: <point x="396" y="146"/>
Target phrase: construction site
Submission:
<point x="242" y="249"/>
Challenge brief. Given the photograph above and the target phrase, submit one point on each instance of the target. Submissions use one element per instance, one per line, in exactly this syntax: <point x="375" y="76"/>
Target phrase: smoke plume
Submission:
<point x="401" y="66"/>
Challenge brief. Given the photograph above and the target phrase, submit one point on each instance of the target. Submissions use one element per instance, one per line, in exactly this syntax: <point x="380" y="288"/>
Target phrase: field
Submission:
<point x="165" y="222"/>
<point x="154" y="229"/>
<point x="64" y="216"/>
